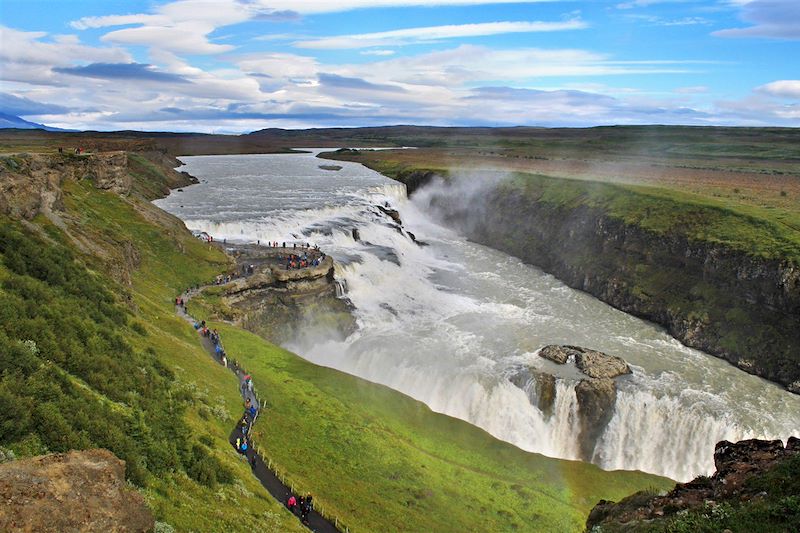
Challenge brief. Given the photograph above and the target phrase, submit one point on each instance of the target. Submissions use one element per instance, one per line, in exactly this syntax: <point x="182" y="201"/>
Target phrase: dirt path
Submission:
<point x="269" y="480"/>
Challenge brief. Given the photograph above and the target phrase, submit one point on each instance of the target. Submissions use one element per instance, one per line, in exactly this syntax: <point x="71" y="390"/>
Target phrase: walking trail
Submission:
<point x="268" y="478"/>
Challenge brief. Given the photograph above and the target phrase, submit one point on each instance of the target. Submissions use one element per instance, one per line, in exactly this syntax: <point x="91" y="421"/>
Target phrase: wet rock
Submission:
<point x="591" y="362"/>
<point x="600" y="365"/>
<point x="391" y="213"/>
<point x="74" y="491"/>
<point x="596" y="400"/>
<point x="356" y="234"/>
<point x="543" y="395"/>
<point x="556" y="354"/>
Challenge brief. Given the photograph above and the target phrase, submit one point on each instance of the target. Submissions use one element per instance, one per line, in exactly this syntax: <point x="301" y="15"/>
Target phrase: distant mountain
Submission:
<point x="11" y="121"/>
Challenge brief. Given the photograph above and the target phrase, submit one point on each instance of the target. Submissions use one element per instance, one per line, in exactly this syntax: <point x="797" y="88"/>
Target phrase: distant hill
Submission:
<point x="12" y="121"/>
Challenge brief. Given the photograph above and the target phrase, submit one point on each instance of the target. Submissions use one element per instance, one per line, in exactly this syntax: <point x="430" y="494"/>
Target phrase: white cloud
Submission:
<point x="782" y="89"/>
<point x="695" y="89"/>
<point x="181" y="27"/>
<point x="377" y="52"/>
<point x="329" y="6"/>
<point x="773" y="19"/>
<point x="436" y="33"/>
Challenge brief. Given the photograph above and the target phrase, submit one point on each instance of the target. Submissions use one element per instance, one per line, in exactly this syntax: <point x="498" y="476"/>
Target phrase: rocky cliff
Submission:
<point x="594" y="384"/>
<point x="709" y="296"/>
<point x="283" y="305"/>
<point x="74" y="491"/>
<point x="755" y="488"/>
<point x="31" y="184"/>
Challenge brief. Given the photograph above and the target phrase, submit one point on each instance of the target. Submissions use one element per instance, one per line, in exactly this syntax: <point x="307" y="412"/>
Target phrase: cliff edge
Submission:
<point x="756" y="487"/>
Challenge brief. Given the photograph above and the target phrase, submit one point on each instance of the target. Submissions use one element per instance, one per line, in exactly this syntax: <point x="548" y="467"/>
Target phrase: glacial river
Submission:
<point x="450" y="322"/>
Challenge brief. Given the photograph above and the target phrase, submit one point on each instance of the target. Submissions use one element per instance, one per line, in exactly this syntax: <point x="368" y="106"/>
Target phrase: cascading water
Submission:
<point x="450" y="323"/>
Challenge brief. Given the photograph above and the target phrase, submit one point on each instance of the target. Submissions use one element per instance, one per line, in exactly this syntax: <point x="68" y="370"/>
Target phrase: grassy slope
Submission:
<point x="381" y="461"/>
<point x="108" y="220"/>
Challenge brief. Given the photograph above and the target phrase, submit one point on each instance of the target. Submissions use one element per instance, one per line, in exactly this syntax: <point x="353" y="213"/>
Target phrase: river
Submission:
<point x="450" y="322"/>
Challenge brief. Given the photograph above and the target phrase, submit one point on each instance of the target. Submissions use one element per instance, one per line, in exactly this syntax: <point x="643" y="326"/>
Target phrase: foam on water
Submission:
<point x="450" y="322"/>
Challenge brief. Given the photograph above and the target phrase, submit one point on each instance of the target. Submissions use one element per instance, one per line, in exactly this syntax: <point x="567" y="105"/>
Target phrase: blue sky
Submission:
<point x="242" y="65"/>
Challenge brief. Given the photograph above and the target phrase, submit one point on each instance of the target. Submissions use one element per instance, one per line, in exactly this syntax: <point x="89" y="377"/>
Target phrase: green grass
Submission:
<point x="144" y="257"/>
<point x="765" y="233"/>
<point x="381" y="461"/>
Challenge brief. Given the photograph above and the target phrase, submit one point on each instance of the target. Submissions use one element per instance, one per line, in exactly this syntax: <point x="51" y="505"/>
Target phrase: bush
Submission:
<point x="66" y="366"/>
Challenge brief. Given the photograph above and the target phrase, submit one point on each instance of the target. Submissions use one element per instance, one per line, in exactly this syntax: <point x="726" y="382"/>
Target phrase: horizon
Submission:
<point x="238" y="66"/>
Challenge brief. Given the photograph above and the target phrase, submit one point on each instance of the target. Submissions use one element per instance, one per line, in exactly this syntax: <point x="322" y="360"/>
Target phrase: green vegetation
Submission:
<point x="770" y="234"/>
<point x="380" y="461"/>
<point x="92" y="355"/>
<point x="776" y="509"/>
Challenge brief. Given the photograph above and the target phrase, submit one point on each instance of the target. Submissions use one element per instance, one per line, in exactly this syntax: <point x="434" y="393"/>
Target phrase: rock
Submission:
<point x="591" y="362"/>
<point x="544" y="385"/>
<point x="556" y="354"/>
<point x="356" y="234"/>
<point x="74" y="491"/>
<point x="391" y="213"/>
<point x="737" y="464"/>
<point x="599" y="365"/>
<point x="596" y="400"/>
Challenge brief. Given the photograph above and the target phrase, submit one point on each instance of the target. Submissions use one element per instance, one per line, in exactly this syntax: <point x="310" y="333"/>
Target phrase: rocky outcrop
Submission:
<point x="74" y="491"/>
<point x="544" y="393"/>
<point x="282" y="305"/>
<point x="738" y="469"/>
<point x="596" y="395"/>
<point x="596" y="401"/>
<point x="31" y="183"/>
<point x="591" y="362"/>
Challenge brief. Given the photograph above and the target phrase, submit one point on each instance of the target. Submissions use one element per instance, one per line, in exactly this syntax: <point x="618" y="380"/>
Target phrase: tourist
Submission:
<point x="305" y="508"/>
<point x="291" y="504"/>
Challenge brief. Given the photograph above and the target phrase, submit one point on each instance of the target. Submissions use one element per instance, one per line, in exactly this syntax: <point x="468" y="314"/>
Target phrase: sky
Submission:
<point x="232" y="66"/>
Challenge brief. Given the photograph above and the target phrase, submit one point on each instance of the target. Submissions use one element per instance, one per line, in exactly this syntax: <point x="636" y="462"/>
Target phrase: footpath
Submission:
<point x="261" y="469"/>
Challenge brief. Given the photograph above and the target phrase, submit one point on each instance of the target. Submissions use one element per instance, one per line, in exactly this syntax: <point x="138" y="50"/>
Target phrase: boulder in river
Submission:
<point x="591" y="362"/>
<point x="544" y="388"/>
<point x="596" y="395"/>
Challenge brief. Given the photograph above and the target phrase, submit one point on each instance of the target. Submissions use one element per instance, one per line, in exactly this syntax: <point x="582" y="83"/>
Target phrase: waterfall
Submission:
<point x="450" y="323"/>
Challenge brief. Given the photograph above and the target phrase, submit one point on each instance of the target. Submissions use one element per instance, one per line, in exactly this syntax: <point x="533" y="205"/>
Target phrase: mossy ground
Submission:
<point x="381" y="461"/>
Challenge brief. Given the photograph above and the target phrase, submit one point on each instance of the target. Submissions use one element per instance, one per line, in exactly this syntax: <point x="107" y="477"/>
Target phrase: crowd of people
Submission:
<point x="300" y="506"/>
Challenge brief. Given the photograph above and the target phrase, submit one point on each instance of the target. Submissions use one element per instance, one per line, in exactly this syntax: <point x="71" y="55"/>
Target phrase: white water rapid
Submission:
<point x="451" y="322"/>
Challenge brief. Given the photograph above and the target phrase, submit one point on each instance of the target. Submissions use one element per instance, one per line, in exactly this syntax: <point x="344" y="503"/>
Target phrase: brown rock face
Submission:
<point x="75" y="491"/>
<point x="556" y="354"/>
<point x="599" y="365"/>
<point x="545" y="387"/>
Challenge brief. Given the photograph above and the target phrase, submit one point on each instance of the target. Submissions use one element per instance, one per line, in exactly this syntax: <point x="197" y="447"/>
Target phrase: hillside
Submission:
<point x="93" y="356"/>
